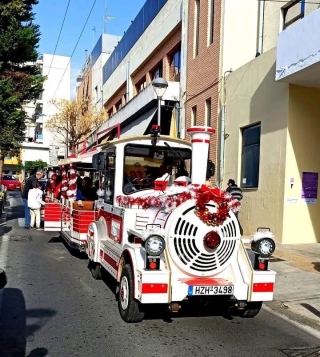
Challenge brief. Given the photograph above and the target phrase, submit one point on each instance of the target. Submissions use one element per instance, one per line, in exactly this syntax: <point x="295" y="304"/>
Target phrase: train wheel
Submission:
<point x="129" y="308"/>
<point x="96" y="270"/>
<point x="251" y="310"/>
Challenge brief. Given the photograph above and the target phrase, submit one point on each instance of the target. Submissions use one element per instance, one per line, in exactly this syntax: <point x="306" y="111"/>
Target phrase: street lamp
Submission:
<point x="160" y="85"/>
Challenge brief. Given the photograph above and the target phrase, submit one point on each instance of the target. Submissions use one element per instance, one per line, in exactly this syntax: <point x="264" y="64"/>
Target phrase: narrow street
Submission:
<point x="53" y="307"/>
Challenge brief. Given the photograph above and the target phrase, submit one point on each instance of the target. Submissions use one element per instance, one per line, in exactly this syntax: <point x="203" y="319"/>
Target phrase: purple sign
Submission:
<point x="309" y="185"/>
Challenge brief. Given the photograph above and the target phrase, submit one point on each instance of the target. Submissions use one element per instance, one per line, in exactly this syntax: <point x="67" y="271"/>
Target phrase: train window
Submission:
<point x="144" y="164"/>
<point x="109" y="177"/>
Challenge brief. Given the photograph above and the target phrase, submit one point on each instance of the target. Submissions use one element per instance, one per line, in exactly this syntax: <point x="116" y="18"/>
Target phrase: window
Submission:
<point x="250" y="158"/>
<point x="208" y="112"/>
<point x="176" y="65"/>
<point x="157" y="72"/>
<point x="194" y="115"/>
<point x="145" y="163"/>
<point x="210" y="22"/>
<point x="293" y="12"/>
<point x="110" y="113"/>
<point x="141" y="85"/>
<point x="119" y="105"/>
<point x="196" y="28"/>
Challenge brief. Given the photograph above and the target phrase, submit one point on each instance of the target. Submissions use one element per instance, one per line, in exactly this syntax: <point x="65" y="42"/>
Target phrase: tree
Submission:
<point x="20" y="79"/>
<point x="32" y="166"/>
<point x="74" y="121"/>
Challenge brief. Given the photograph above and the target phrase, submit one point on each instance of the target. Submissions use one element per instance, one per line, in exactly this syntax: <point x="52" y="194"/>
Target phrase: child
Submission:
<point x="34" y="203"/>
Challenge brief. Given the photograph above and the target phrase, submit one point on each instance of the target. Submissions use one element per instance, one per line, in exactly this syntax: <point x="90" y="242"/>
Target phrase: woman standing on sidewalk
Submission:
<point x="34" y="203"/>
<point x="30" y="183"/>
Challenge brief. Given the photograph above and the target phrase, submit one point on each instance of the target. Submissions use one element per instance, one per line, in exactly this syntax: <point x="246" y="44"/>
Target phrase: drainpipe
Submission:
<point x="128" y="79"/>
<point x="183" y="67"/>
<point x="222" y="144"/>
<point x="222" y="131"/>
<point x="260" y="26"/>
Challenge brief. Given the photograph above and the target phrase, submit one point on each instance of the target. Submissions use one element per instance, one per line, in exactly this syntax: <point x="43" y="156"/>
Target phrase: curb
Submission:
<point x="282" y="309"/>
<point x="298" y="261"/>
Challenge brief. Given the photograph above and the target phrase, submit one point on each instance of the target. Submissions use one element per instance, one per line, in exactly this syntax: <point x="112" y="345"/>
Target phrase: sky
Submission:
<point x="49" y="16"/>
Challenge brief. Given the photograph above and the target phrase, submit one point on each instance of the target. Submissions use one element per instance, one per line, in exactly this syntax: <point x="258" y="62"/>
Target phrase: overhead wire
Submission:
<point x="61" y="28"/>
<point x="75" y="47"/>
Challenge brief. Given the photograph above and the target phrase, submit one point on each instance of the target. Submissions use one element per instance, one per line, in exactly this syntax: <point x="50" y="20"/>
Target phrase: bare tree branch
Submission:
<point x="75" y="119"/>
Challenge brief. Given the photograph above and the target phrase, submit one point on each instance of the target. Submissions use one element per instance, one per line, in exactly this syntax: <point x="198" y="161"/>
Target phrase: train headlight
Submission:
<point x="154" y="245"/>
<point x="264" y="246"/>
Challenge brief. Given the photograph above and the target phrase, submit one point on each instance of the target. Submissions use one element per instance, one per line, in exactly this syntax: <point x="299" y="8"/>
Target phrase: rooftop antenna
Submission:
<point x="106" y="18"/>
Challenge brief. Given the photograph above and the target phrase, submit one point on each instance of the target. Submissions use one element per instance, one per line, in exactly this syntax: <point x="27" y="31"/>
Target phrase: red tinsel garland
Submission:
<point x="203" y="195"/>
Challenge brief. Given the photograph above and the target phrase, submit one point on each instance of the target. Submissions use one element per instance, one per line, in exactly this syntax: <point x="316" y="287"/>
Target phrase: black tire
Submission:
<point x="251" y="310"/>
<point x="96" y="270"/>
<point x="129" y="308"/>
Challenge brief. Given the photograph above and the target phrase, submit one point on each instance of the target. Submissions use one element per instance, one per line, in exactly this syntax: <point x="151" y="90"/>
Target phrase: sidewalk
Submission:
<point x="297" y="290"/>
<point x="12" y="220"/>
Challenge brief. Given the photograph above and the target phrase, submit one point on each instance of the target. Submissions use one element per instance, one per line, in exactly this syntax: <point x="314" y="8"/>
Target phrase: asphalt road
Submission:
<point x="53" y="307"/>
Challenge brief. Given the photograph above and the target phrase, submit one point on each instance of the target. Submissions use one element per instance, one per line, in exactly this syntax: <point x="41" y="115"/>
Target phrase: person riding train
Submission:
<point x="87" y="192"/>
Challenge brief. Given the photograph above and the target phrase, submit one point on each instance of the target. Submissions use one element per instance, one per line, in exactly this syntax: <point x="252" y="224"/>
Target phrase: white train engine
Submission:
<point x="169" y="239"/>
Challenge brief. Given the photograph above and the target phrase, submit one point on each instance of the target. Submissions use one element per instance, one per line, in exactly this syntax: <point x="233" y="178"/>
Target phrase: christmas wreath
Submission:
<point x="203" y="195"/>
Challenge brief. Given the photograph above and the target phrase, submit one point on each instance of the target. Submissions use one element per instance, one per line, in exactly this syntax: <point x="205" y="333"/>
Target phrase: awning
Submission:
<point x="138" y="126"/>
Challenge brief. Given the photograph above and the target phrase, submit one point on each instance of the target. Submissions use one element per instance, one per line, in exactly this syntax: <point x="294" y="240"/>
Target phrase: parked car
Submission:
<point x="11" y="183"/>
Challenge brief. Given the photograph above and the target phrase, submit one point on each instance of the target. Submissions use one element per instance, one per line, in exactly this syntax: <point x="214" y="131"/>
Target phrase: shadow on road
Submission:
<point x="17" y="324"/>
<point x="316" y="266"/>
<point x="75" y="253"/>
<point x="311" y="309"/>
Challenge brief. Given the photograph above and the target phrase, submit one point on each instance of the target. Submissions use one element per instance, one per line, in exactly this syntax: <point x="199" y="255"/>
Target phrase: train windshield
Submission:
<point x="143" y="164"/>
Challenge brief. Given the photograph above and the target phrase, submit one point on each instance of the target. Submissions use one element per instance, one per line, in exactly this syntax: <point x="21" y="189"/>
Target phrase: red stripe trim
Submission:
<point x="205" y="282"/>
<point x="201" y="129"/>
<point x="110" y="261"/>
<point x="154" y="288"/>
<point x="200" y="141"/>
<point x="263" y="287"/>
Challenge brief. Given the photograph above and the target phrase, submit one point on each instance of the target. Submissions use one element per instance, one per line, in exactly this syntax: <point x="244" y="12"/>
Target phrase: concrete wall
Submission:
<point x="239" y="33"/>
<point x="292" y="58"/>
<point x="273" y="21"/>
<point x="301" y="220"/>
<point x="160" y="28"/>
<point x="97" y="80"/>
<point x="253" y="96"/>
<point x="60" y="69"/>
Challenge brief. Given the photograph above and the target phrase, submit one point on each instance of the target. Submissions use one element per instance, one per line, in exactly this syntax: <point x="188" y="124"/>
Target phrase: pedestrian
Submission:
<point x="235" y="191"/>
<point x="34" y="202"/>
<point x="30" y="183"/>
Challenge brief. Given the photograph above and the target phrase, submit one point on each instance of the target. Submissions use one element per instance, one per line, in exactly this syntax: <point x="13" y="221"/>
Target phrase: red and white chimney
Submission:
<point x="200" y="139"/>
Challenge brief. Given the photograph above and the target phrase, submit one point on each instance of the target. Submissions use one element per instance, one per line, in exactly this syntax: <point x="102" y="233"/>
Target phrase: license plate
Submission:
<point x="211" y="290"/>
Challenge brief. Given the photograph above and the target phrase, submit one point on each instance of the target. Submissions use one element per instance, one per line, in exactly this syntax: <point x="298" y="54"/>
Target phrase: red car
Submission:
<point x="11" y="182"/>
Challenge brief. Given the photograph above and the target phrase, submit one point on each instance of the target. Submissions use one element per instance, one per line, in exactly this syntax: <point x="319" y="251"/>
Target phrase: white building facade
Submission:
<point x="150" y="48"/>
<point x="40" y="144"/>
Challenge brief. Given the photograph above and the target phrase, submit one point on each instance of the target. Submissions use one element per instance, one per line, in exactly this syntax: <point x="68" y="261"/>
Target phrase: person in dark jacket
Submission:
<point x="30" y="183"/>
<point x="235" y="191"/>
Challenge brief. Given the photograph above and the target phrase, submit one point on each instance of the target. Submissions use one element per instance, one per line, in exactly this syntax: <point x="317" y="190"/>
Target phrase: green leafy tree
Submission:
<point x="20" y="78"/>
<point x="31" y="167"/>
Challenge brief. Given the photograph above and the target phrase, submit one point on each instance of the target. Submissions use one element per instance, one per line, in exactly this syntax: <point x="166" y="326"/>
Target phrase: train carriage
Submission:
<point x="166" y="237"/>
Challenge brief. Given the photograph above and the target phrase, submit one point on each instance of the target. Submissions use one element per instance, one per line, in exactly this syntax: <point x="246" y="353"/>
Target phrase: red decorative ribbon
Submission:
<point x="223" y="201"/>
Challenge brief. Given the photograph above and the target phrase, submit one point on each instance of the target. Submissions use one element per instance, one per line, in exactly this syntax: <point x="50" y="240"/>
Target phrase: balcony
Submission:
<point x="298" y="52"/>
<point x="139" y="108"/>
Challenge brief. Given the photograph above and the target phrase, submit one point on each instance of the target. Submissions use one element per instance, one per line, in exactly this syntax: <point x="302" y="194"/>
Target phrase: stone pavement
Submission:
<point x="297" y="290"/>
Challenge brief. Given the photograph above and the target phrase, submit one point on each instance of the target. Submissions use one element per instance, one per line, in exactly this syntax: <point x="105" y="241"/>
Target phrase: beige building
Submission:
<point x="272" y="127"/>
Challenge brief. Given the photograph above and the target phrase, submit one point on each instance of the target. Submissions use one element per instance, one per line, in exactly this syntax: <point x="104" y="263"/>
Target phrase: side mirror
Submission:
<point x="211" y="169"/>
<point x="98" y="161"/>
<point x="3" y="279"/>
